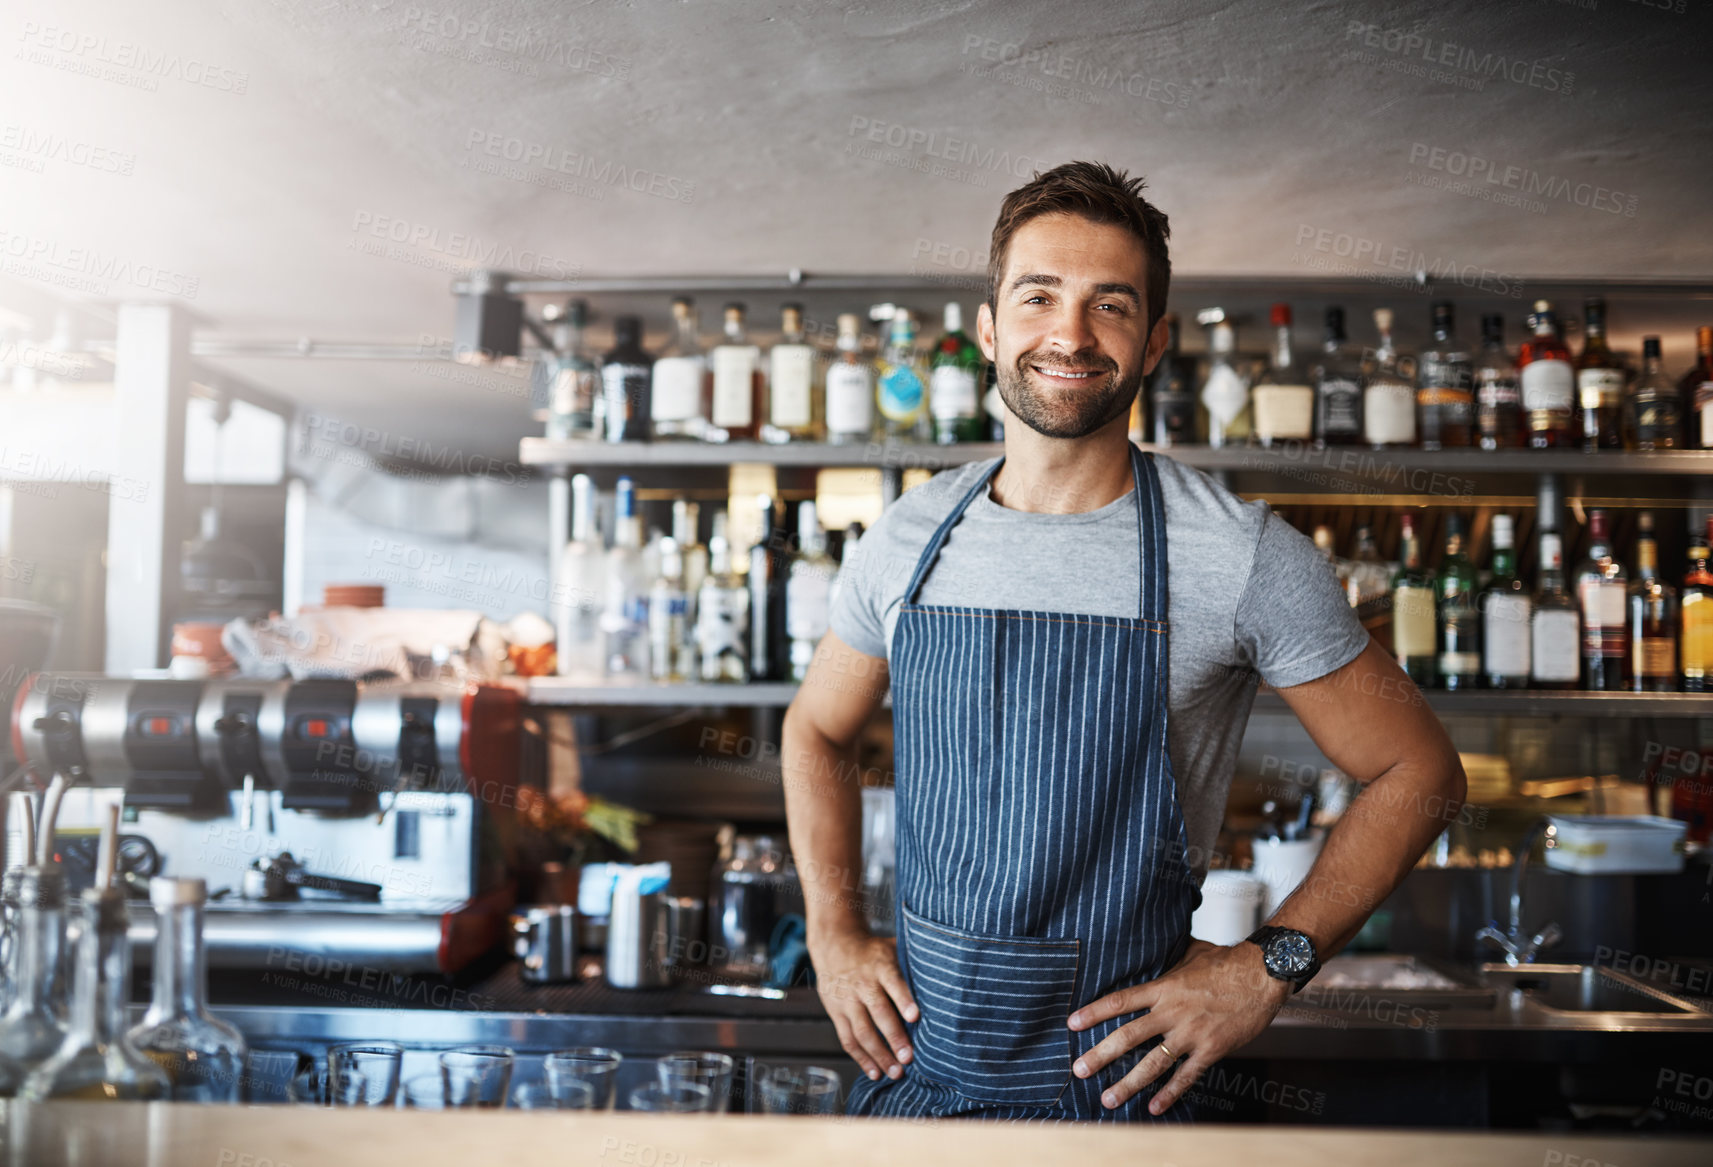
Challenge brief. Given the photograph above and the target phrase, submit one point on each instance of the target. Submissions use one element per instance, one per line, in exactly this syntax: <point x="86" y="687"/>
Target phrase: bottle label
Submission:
<point x="622" y="389"/>
<point x="1697" y="634"/>
<point x="1505" y="635"/>
<point x="1548" y="386"/>
<point x="792" y="369"/>
<point x="1340" y="407"/>
<point x="1704" y="407"/>
<point x="807" y="604"/>
<point x="1284" y="411"/>
<point x="901" y="393"/>
<point x="735" y="366"/>
<point x="850" y="399"/>
<point x="1602" y="605"/>
<point x="1389" y="414"/>
<point x="677" y="388"/>
<point x="1225" y="394"/>
<point x="1460" y="664"/>
<point x="1600" y="387"/>
<point x="1654" y="656"/>
<point x="1656" y="421"/>
<point x="951" y="393"/>
<point x="1452" y="373"/>
<point x="1412" y="622"/>
<point x="1556" y="641"/>
<point x="719" y="620"/>
<point x="1498" y="392"/>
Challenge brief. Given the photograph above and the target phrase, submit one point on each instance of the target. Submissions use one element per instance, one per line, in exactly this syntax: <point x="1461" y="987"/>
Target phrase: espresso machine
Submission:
<point x="329" y="818"/>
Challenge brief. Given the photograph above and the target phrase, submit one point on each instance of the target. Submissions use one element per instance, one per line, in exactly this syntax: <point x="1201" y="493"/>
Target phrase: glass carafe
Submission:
<point x="32" y="1029"/>
<point x="202" y="1055"/>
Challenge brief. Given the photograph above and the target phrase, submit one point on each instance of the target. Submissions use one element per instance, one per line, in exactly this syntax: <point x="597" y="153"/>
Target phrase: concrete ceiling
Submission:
<point x="274" y="152"/>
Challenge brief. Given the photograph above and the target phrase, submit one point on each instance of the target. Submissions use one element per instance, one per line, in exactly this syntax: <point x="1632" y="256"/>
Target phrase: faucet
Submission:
<point x="1518" y="949"/>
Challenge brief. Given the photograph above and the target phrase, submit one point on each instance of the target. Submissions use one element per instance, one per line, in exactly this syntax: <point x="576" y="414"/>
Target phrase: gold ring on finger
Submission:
<point x="1170" y="1056"/>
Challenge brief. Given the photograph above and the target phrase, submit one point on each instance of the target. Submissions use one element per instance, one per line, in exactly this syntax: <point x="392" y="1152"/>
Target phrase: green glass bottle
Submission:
<point x="954" y="384"/>
<point x="1414" y="635"/>
<point x="1459" y="621"/>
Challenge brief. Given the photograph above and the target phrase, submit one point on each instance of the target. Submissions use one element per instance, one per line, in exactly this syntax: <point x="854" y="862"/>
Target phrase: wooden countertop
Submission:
<point x="158" y="1135"/>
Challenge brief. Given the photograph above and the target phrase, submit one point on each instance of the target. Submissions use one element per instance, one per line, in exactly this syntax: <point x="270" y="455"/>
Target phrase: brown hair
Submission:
<point x="1095" y="191"/>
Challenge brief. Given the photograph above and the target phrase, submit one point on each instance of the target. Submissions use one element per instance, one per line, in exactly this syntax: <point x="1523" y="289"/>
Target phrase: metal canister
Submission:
<point x="638" y="943"/>
<point x="545" y="940"/>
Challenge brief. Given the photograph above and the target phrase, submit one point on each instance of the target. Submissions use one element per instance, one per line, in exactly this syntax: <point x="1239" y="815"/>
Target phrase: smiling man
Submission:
<point x="1072" y="635"/>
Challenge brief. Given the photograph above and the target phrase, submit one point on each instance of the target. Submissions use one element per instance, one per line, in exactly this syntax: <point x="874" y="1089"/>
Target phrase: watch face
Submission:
<point x="1291" y="953"/>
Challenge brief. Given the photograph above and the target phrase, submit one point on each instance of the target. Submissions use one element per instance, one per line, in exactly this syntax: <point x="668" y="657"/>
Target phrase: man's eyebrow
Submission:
<point x="1045" y="280"/>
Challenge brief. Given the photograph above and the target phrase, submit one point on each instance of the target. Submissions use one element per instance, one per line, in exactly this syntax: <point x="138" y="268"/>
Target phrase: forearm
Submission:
<point x="823" y="810"/>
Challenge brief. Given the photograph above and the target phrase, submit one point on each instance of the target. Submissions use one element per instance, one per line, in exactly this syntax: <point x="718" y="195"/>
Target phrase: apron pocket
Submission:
<point x="993" y="1011"/>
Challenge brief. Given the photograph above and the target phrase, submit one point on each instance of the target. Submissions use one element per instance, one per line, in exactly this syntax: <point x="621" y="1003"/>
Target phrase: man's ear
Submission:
<point x="984" y="330"/>
<point x="1158" y="338"/>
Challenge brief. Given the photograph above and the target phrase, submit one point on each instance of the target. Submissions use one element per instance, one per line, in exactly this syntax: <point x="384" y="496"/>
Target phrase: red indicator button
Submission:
<point x="160" y="727"/>
<point x="315" y="727"/>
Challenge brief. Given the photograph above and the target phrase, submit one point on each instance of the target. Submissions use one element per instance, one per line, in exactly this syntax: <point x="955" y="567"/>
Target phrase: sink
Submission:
<point x="1585" y="988"/>
<point x="1365" y="982"/>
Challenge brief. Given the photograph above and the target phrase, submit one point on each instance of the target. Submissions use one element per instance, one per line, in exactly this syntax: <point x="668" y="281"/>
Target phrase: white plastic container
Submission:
<point x="1607" y="844"/>
<point x="1230" y="907"/>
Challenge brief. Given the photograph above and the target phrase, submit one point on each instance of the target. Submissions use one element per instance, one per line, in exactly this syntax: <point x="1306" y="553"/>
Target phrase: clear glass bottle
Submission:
<point x="574" y="395"/>
<point x="1388" y="391"/>
<point x="1338" y="386"/>
<point x="624" y="622"/>
<point x="1555" y="628"/>
<point x="1370" y="577"/>
<point x="1653" y="409"/>
<point x="669" y="647"/>
<point x="1548" y="383"/>
<point x="97" y="1062"/>
<point x="1505" y="611"/>
<point x="32" y="1029"/>
<point x="582" y="589"/>
<point x="1171" y="392"/>
<point x="202" y="1055"/>
<point x="1414" y="633"/>
<point x="687" y="530"/>
<point x="722" y="613"/>
<point x="627" y="380"/>
<point x="955" y="384"/>
<point x="1652" y="618"/>
<point x="1601" y="584"/>
<point x="1283" y="399"/>
<point x="682" y="381"/>
<point x="850" y="387"/>
<point x="794" y="399"/>
<point x="1599" y="383"/>
<point x="1225" y="391"/>
<point x="740" y="384"/>
<point x="1498" y="394"/>
<point x="903" y="383"/>
<point x="808" y="590"/>
<point x="1445" y="385"/>
<point x="1459" y="620"/>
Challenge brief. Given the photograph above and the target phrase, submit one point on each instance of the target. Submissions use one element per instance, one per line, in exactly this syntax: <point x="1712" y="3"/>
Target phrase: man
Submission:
<point x="1071" y="635"/>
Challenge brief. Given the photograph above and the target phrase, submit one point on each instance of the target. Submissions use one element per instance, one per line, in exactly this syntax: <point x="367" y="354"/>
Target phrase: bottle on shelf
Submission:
<point x="1388" y="391"/>
<point x="1653" y="408"/>
<point x="203" y="1056"/>
<point x="902" y="386"/>
<point x="1555" y="629"/>
<point x="793" y="404"/>
<point x="1599" y="383"/>
<point x="1338" y="386"/>
<point x="686" y="529"/>
<point x="1414" y="633"/>
<point x="1445" y="380"/>
<point x="1696" y="621"/>
<point x="1498" y="392"/>
<point x="581" y="588"/>
<point x="1652" y="618"/>
<point x="1548" y="383"/>
<point x="1323" y="541"/>
<point x="627" y="385"/>
<point x="1601" y="582"/>
<point x="1284" y="402"/>
<point x="31" y="1029"/>
<point x="575" y="392"/>
<point x="768" y="649"/>
<point x="1505" y="611"/>
<point x="722" y="613"/>
<point x="671" y="653"/>
<point x="955" y="384"/>
<point x="682" y="381"/>
<point x="1695" y="393"/>
<point x="850" y="387"/>
<point x="808" y="590"/>
<point x="624" y="622"/>
<point x="1458" y="618"/>
<point x="1225" y="391"/>
<point x="847" y="548"/>
<point x="1370" y="576"/>
<point x="1171" y="391"/>
<point x="740" y="384"/>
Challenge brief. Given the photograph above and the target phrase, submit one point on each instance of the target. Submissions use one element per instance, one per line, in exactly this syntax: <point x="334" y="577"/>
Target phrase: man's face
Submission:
<point x="1068" y="335"/>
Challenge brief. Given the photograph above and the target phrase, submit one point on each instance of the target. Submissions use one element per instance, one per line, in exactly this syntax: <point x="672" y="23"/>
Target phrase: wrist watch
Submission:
<point x="1288" y="955"/>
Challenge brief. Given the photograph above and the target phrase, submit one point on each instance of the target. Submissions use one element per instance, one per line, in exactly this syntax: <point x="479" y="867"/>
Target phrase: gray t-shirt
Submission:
<point x="1247" y="595"/>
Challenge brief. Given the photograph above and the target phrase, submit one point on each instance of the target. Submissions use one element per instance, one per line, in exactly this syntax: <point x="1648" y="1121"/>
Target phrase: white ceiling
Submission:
<point x="1253" y="121"/>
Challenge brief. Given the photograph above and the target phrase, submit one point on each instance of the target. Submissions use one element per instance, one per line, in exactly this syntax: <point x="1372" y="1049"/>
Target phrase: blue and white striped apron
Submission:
<point x="1040" y="845"/>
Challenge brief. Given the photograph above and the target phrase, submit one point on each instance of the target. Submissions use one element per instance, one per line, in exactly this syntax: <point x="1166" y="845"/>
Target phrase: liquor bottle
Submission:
<point x="575" y="393"/>
<point x="682" y="381"/>
<point x="627" y="388"/>
<point x="1225" y="392"/>
<point x="850" y="388"/>
<point x="581" y="589"/>
<point x="740" y="382"/>
<point x="794" y="408"/>
<point x="1505" y="611"/>
<point x="1283" y="400"/>
<point x="97" y="1062"/>
<point x="1445" y="386"/>
<point x="31" y="1029"/>
<point x="1459" y="620"/>
<point x="1548" y="383"/>
<point x="1555" y="628"/>
<point x="1653" y="408"/>
<point x="624" y="622"/>
<point x="671" y="653"/>
<point x="808" y="590"/>
<point x="722" y="613"/>
<point x="1498" y="393"/>
<point x="686" y="529"/>
<point x="1695" y="393"/>
<point x="847" y="549"/>
<point x="1599" y="383"/>
<point x="1696" y="644"/>
<point x="1388" y="391"/>
<point x="1413" y="628"/>
<point x="1171" y="393"/>
<point x="768" y="657"/>
<point x="954" y="384"/>
<point x="1323" y="541"/>
<point x="1600" y="587"/>
<point x="903" y="382"/>
<point x="1338" y="386"/>
<point x="1370" y="575"/>
<point x="202" y="1055"/>
<point x="1652" y="618"/>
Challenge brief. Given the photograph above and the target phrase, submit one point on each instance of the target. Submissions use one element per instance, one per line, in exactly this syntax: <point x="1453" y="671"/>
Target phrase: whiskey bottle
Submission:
<point x="1414" y="632"/>
<point x="1505" y="610"/>
<point x="954" y="384"/>
<point x="1555" y="628"/>
<point x="1388" y="391"/>
<point x="1498" y="395"/>
<point x="1600" y="592"/>
<point x="1653" y="405"/>
<point x="1283" y="399"/>
<point x="1599" y="383"/>
<point x="850" y="388"/>
<point x="740" y="386"/>
<point x="1445" y="395"/>
<point x="1171" y="392"/>
<point x="1548" y="383"/>
<point x="794" y="406"/>
<point x="625" y="406"/>
<point x="1459" y="621"/>
<point x="681" y="381"/>
<point x="1652" y="618"/>
<point x="1338" y="387"/>
<point x="1695" y="393"/>
<point x="1696" y="645"/>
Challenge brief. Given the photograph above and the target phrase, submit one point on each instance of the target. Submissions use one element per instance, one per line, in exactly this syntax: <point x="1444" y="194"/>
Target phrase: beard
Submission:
<point x="1071" y="412"/>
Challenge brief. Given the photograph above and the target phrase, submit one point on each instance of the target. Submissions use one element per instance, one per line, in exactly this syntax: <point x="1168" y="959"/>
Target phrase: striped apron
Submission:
<point x="1041" y="852"/>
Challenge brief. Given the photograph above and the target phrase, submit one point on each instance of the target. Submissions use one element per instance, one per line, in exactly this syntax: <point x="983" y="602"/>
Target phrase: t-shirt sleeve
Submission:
<point x="1294" y="624"/>
<point x="859" y="610"/>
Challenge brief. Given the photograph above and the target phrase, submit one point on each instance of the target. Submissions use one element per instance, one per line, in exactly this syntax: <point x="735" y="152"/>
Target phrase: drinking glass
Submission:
<point x="311" y="1087"/>
<point x="377" y="1061"/>
<point x="679" y="1098"/>
<point x="424" y="1092"/>
<point x="543" y="1095"/>
<point x="477" y="1075"/>
<point x="789" y="1090"/>
<point x="594" y="1066"/>
<point x="711" y="1070"/>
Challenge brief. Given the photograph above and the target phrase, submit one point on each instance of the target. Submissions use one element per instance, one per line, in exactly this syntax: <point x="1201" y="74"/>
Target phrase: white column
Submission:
<point x="145" y="509"/>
